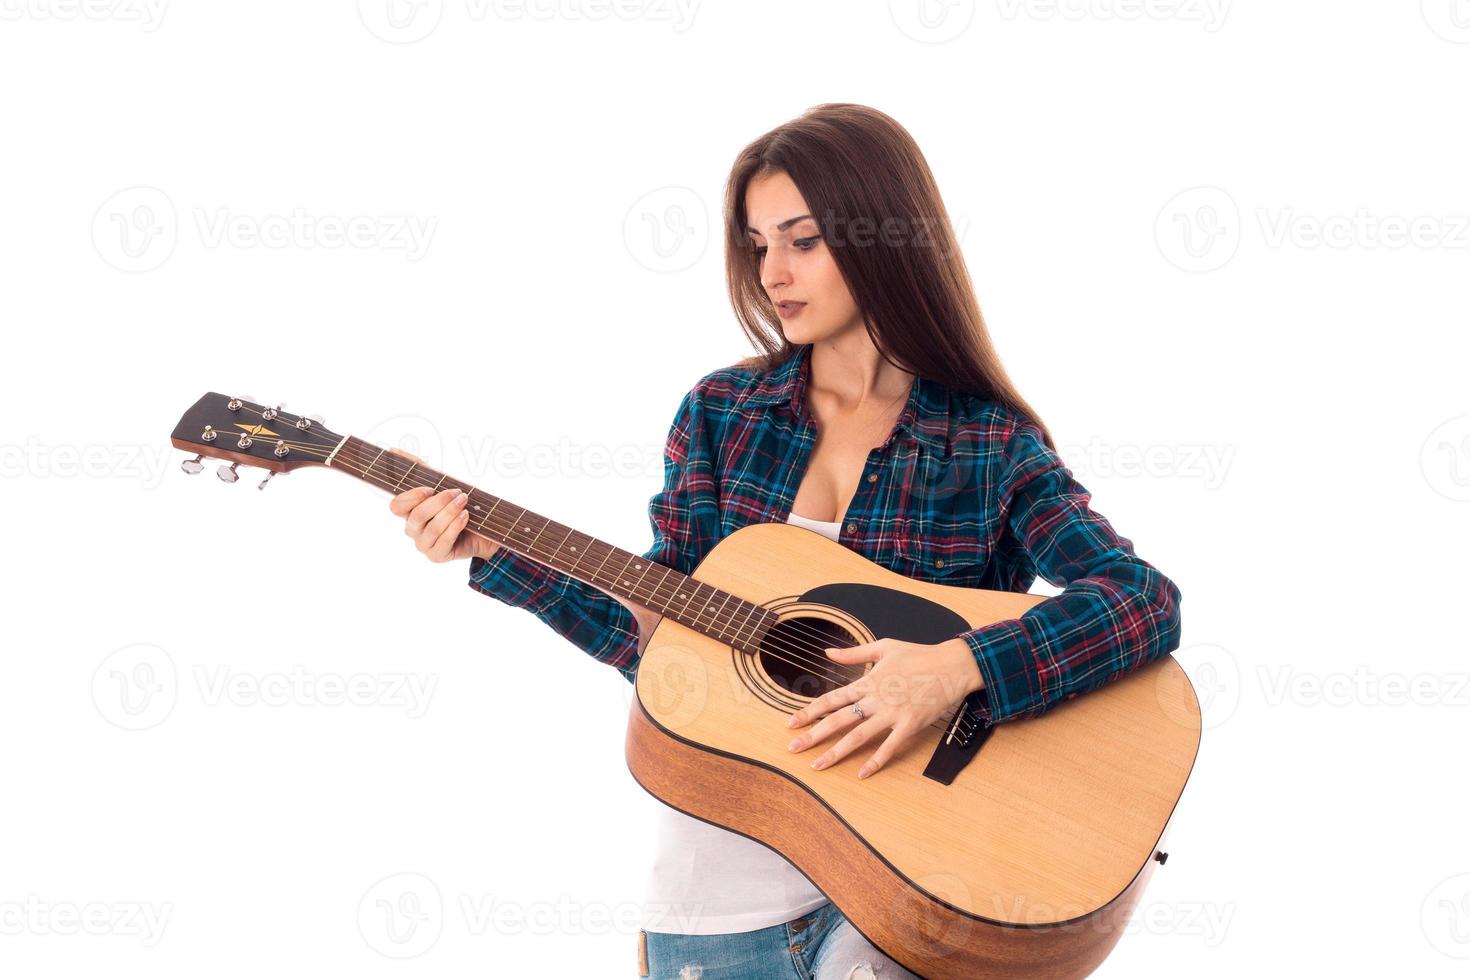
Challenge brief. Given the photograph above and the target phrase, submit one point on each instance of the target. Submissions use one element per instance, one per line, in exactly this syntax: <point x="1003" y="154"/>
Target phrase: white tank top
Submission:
<point x="707" y="880"/>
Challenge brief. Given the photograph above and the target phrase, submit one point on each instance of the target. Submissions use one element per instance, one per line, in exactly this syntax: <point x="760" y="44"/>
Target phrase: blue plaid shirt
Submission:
<point x="963" y="492"/>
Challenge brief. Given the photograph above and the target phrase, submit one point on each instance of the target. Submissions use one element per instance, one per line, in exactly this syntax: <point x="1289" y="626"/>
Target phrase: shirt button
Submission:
<point x="872" y="477"/>
<point x="851" y="527"/>
<point x="939" y="563"/>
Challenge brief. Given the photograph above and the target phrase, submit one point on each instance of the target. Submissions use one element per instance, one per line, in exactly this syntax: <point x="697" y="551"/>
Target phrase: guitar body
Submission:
<point x="1027" y="862"/>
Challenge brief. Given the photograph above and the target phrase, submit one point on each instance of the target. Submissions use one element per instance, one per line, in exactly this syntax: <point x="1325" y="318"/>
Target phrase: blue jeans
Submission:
<point x="821" y="945"/>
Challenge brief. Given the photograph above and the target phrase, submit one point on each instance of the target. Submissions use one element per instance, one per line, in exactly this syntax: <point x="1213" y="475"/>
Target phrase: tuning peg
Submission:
<point x="192" y="466"/>
<point x="228" y="473"/>
<point x="262" y="483"/>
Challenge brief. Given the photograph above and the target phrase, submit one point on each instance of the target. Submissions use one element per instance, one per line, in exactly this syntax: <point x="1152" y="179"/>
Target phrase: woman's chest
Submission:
<point x="917" y="512"/>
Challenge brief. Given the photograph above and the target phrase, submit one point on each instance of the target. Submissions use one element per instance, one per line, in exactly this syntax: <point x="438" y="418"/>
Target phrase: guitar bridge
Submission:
<point x="966" y="732"/>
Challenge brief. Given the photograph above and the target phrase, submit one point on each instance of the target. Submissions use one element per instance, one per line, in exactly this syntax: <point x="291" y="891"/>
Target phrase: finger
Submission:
<point x="891" y="744"/>
<point x="436" y="525"/>
<point x="443" y="548"/>
<point x="862" y="653"/>
<point x="852" y="740"/>
<point x="426" y="510"/>
<point x="835" y="722"/>
<point x="846" y="694"/>
<point x="406" y="501"/>
<point x="404" y="452"/>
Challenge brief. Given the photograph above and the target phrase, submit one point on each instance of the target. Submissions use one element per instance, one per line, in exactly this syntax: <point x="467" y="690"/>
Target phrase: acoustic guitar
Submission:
<point x="1016" y="850"/>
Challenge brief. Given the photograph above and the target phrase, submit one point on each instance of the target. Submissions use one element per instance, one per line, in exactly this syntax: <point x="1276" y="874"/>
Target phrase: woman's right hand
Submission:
<point x="437" y="522"/>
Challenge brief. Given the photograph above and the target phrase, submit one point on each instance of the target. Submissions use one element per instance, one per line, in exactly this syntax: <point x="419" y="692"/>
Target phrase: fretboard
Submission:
<point x="715" y="613"/>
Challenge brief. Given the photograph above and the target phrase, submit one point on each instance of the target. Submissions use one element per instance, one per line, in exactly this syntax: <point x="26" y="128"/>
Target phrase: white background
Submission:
<point x="1186" y="225"/>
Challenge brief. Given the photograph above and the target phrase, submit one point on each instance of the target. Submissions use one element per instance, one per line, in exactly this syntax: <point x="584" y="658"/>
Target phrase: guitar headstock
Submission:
<point x="239" y="431"/>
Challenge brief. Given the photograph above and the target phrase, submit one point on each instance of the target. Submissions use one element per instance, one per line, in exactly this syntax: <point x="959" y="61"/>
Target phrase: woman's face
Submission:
<point x="795" y="264"/>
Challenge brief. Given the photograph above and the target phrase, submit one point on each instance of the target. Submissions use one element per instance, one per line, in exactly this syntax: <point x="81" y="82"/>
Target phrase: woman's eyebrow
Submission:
<point x="782" y="226"/>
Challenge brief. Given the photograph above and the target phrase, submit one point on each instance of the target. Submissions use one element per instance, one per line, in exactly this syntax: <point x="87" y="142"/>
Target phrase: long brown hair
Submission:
<point x="872" y="194"/>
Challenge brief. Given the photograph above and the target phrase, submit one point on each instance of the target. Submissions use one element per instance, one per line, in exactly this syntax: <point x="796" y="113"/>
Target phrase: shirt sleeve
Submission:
<point x="683" y="517"/>
<point x="1115" y="614"/>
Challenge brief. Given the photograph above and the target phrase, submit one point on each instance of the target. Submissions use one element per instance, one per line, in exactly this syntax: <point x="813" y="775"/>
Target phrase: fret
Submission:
<point x="685" y="600"/>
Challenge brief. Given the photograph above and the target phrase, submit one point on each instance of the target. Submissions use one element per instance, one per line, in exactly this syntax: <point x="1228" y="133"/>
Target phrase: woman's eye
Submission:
<point x="807" y="244"/>
<point x="759" y="252"/>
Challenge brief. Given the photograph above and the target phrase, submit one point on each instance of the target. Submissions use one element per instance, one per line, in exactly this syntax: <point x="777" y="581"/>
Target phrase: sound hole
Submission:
<point x="793" y="655"/>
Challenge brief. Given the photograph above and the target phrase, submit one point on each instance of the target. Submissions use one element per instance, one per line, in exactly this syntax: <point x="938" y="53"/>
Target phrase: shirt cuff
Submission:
<point x="1003" y="652"/>
<point x="514" y="579"/>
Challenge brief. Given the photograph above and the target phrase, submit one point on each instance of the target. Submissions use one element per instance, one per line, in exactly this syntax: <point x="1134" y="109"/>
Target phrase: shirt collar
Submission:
<point x="925" y="416"/>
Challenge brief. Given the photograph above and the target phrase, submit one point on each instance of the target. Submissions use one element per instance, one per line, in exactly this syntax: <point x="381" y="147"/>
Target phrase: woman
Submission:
<point x="878" y="414"/>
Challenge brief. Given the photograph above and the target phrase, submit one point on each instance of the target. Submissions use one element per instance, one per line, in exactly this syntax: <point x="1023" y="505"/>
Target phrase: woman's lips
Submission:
<point x="789" y="310"/>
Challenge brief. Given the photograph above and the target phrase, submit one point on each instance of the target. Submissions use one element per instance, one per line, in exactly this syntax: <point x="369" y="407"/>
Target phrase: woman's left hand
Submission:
<point x="910" y="686"/>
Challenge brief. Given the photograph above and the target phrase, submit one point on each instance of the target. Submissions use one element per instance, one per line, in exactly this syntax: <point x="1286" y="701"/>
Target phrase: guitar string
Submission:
<point x="817" y="663"/>
<point x="811" y="658"/>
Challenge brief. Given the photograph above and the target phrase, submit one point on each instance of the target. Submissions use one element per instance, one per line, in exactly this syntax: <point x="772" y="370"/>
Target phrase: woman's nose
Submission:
<point x="775" y="271"/>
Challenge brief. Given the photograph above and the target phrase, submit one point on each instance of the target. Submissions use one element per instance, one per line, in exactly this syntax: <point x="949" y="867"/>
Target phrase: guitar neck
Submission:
<point x="667" y="591"/>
